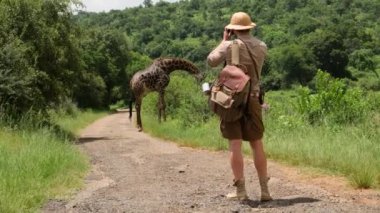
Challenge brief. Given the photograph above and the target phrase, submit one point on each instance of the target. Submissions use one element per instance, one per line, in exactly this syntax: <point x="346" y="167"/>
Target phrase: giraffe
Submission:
<point x="156" y="78"/>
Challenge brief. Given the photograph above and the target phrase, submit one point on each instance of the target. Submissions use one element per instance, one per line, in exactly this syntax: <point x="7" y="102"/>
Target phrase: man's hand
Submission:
<point x="226" y="34"/>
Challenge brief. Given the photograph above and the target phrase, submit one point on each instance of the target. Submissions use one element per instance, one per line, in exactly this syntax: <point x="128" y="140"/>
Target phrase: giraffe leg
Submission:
<point x="159" y="111"/>
<point x="161" y="106"/>
<point x="138" y="111"/>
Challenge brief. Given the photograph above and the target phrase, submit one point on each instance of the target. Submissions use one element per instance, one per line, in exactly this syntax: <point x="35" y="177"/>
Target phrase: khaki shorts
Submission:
<point x="249" y="128"/>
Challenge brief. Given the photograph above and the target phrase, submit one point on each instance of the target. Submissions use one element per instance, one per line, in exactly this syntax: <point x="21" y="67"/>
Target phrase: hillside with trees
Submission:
<point x="50" y="56"/>
<point x="340" y="37"/>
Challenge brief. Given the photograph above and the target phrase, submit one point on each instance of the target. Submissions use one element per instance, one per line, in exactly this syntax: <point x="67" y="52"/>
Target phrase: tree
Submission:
<point x="330" y="53"/>
<point x="326" y="38"/>
<point x="44" y="38"/>
<point x="106" y="55"/>
<point x="363" y="60"/>
<point x="18" y="91"/>
<point x="147" y="3"/>
<point x="295" y="62"/>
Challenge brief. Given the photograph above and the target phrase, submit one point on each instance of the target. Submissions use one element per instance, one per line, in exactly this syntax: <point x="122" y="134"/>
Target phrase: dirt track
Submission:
<point x="133" y="172"/>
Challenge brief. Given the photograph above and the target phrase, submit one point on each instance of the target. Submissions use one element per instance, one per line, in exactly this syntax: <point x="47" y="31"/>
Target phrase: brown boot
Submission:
<point x="265" y="196"/>
<point x="241" y="193"/>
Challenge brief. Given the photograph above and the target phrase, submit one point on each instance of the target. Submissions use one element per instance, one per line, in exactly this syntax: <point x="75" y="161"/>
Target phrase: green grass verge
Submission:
<point x="349" y="151"/>
<point x="37" y="164"/>
<point x="205" y="137"/>
<point x="77" y="122"/>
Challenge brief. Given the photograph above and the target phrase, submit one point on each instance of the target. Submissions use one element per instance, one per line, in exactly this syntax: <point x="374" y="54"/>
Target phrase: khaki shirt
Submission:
<point x="258" y="49"/>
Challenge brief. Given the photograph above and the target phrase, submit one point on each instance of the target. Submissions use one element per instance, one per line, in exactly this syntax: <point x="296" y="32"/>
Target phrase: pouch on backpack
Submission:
<point x="229" y="93"/>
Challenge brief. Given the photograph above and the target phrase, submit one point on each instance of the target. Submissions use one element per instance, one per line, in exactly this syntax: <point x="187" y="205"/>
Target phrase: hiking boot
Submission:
<point x="241" y="193"/>
<point x="265" y="196"/>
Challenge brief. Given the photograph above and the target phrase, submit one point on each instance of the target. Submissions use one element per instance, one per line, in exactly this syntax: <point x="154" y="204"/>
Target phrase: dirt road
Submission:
<point x="133" y="172"/>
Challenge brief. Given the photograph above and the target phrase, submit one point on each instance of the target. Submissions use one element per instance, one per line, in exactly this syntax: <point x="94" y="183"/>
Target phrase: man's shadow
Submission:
<point x="279" y="202"/>
<point x="83" y="140"/>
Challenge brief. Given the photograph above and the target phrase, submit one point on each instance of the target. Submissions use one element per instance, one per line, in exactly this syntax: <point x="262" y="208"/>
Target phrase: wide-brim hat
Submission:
<point x="240" y="21"/>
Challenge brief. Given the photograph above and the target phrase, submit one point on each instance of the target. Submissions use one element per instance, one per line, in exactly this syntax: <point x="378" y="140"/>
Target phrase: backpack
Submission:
<point x="229" y="93"/>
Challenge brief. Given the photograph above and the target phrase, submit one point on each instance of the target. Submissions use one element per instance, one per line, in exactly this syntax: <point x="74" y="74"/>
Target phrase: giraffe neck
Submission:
<point x="171" y="64"/>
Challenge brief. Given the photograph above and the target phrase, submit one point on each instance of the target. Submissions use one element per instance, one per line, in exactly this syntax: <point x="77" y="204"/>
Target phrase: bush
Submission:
<point x="18" y="92"/>
<point x="332" y="102"/>
<point x="118" y="105"/>
<point x="184" y="101"/>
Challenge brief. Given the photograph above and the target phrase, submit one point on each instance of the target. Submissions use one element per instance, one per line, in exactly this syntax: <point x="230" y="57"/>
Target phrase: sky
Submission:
<point x="107" y="5"/>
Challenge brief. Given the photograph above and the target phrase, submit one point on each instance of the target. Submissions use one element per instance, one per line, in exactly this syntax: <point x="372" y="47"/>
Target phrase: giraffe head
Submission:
<point x="171" y="64"/>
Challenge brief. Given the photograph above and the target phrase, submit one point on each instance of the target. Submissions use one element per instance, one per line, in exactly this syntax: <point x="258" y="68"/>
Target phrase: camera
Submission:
<point x="206" y="88"/>
<point x="230" y="32"/>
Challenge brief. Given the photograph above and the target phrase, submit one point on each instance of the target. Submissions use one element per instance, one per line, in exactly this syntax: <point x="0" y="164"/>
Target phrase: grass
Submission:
<point x="206" y="137"/>
<point x="346" y="151"/>
<point x="351" y="150"/>
<point x="37" y="164"/>
<point x="77" y="122"/>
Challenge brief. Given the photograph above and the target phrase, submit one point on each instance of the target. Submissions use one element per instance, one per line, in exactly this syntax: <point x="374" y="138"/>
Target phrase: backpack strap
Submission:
<point x="261" y="93"/>
<point x="250" y="54"/>
<point x="235" y="57"/>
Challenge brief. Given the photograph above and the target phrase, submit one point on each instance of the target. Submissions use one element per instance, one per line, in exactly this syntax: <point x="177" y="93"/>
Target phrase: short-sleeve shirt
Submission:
<point x="258" y="50"/>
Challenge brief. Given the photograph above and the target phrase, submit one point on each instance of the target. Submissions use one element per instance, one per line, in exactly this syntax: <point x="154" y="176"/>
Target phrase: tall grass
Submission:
<point x="350" y="150"/>
<point x="37" y="163"/>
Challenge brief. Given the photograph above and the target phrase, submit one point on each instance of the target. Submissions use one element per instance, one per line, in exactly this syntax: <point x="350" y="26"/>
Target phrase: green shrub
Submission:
<point x="66" y="107"/>
<point x="184" y="101"/>
<point x="118" y="105"/>
<point x="332" y="102"/>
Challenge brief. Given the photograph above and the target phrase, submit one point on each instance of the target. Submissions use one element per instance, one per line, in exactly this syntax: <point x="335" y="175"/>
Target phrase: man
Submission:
<point x="250" y="127"/>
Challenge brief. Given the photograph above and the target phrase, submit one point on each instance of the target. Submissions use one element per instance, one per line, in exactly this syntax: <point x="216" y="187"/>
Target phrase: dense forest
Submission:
<point x="51" y="53"/>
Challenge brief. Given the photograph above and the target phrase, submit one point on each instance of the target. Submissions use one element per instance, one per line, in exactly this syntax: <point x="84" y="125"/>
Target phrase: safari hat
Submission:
<point x="240" y="21"/>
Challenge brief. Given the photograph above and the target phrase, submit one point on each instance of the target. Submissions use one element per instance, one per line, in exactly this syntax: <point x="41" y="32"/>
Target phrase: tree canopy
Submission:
<point x="49" y="55"/>
<point x="303" y="36"/>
